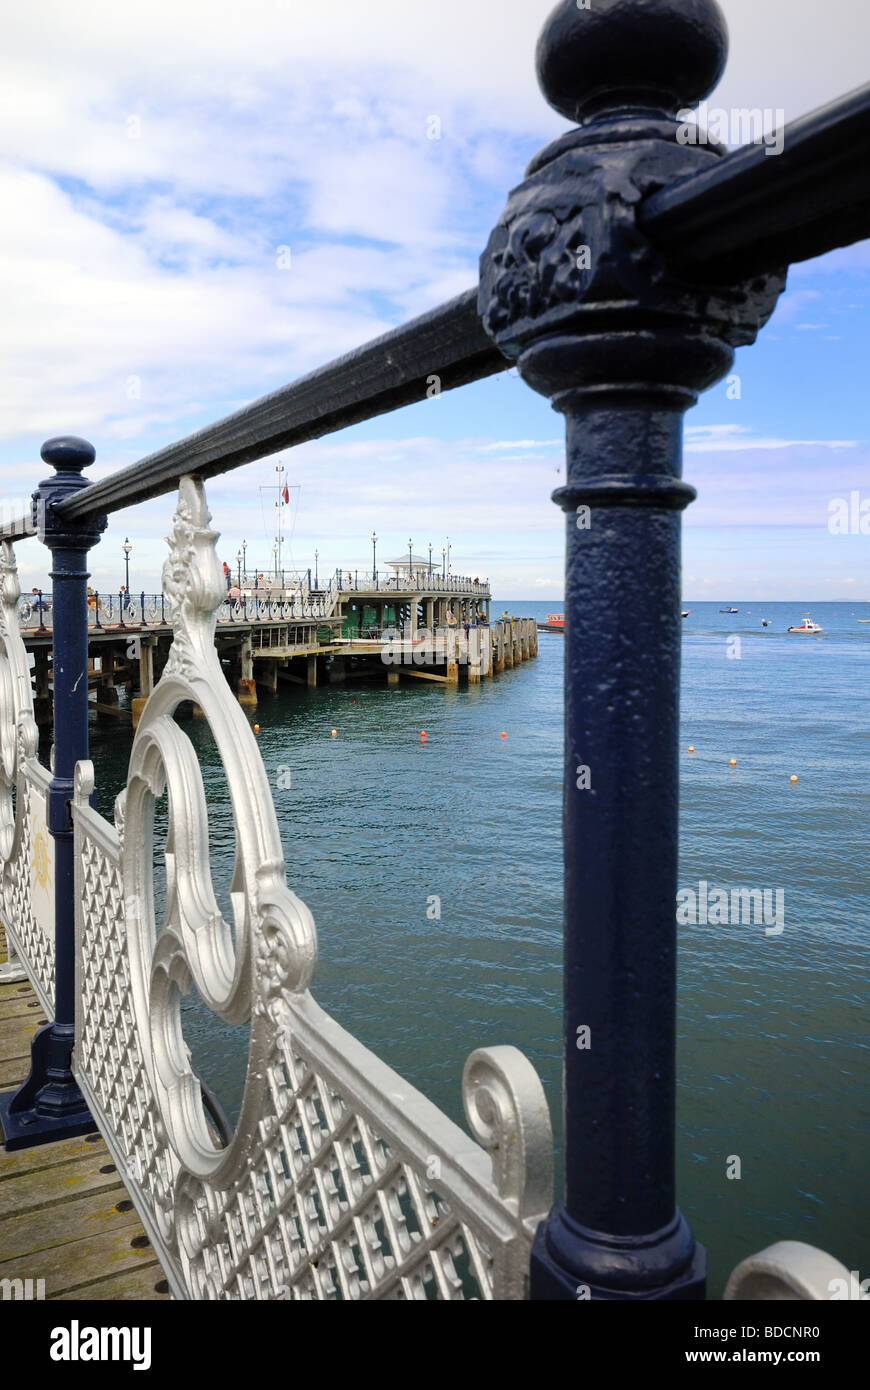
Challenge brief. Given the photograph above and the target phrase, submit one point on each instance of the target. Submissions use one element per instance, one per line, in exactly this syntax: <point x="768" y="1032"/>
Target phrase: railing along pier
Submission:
<point x="625" y="270"/>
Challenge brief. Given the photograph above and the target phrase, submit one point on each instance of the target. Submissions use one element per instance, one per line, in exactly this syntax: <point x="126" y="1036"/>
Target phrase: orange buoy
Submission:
<point x="733" y="762"/>
<point x="256" y="728"/>
<point x="335" y="733"/>
<point x="422" y="735"/>
<point x="691" y="747"/>
<point x="792" y="778"/>
<point x="503" y="734"/>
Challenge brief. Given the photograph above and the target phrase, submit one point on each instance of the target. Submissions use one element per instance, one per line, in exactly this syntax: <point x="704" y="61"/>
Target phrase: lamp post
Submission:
<point x="410" y="560"/>
<point x="443" y="563"/>
<point x="239" y="568"/>
<point x="449" y="548"/>
<point x="245" y="558"/>
<point x="275" y="558"/>
<point x="127" y="547"/>
<point x="374" y="558"/>
<point x="316" y="575"/>
<point x="430" y="562"/>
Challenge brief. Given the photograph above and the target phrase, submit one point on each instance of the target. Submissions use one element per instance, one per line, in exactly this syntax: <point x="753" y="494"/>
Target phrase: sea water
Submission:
<point x="434" y="874"/>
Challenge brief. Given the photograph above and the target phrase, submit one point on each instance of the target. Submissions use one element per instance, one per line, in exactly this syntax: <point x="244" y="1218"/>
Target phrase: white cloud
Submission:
<point x="707" y="439"/>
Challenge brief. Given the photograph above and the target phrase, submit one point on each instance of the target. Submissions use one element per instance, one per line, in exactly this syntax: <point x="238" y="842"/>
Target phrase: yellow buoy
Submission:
<point x="733" y="762"/>
<point x="691" y="747"/>
<point x="792" y="778"/>
<point x="335" y="733"/>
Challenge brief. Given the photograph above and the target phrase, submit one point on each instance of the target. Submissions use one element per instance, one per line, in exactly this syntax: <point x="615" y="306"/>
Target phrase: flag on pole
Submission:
<point x="286" y="494"/>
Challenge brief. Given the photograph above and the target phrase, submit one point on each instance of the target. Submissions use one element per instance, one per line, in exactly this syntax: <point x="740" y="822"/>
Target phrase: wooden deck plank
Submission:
<point x="77" y="1263"/>
<point x="18" y="1006"/>
<point x="62" y="1151"/>
<point x="46" y="1187"/>
<point x="47" y="1228"/>
<point x="135" y="1284"/>
<point x="12" y="1030"/>
<point x="59" y="1217"/>
<point x="13" y="1070"/>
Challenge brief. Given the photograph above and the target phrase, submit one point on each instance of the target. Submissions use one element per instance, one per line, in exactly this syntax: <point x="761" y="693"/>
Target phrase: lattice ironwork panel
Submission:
<point x="327" y="1208"/>
<point x="341" y="1182"/>
<point x="27" y="886"/>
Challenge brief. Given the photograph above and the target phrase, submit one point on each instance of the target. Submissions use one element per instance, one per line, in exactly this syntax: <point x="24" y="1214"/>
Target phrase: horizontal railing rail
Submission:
<point x="442" y="349"/>
<point x="751" y="212"/>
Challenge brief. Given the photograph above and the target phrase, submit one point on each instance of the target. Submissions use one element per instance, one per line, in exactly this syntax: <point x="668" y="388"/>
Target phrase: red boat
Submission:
<point x="555" y="623"/>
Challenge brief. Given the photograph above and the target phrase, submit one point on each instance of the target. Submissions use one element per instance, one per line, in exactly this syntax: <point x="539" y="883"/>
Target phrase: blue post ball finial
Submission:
<point x="599" y="54"/>
<point x="67" y="453"/>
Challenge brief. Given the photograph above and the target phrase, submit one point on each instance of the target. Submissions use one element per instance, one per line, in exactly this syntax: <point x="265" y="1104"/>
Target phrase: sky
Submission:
<point x="202" y="202"/>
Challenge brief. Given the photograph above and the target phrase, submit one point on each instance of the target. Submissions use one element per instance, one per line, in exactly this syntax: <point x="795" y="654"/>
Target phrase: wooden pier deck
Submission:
<point x="65" y="1216"/>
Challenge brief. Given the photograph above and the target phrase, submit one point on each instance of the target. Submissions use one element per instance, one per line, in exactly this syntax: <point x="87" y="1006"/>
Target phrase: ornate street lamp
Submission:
<point x="245" y="559"/>
<point x="316" y="576"/>
<point x="374" y="558"/>
<point x="430" y="562"/>
<point x="127" y="547"/>
<point x="443" y="563"/>
<point x="410" y="560"/>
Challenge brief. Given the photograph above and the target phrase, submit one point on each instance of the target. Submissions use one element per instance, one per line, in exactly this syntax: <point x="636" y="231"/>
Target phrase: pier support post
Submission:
<point x="601" y="322"/>
<point x="267" y="674"/>
<point x="246" y="688"/>
<point x="146" y="677"/>
<point x="498" y="641"/>
<point x="311" y="671"/>
<point x="484" y="637"/>
<point x="49" y="1105"/>
<point x="474" y="659"/>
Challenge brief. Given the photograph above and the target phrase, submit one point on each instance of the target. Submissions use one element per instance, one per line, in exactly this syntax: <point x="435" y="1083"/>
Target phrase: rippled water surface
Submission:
<point x="774" y="1059"/>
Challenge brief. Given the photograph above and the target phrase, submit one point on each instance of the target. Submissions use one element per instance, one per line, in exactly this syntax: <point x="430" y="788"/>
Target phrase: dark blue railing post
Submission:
<point x="49" y="1105"/>
<point x="605" y="326"/>
<point x="41" y="618"/>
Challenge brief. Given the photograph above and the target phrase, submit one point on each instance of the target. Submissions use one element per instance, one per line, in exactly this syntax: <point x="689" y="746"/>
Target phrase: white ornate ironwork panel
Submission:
<point x="26" y="848"/>
<point x="340" y="1181"/>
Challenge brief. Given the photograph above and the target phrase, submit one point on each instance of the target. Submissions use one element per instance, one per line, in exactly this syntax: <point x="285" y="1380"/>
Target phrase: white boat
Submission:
<point x="807" y="626"/>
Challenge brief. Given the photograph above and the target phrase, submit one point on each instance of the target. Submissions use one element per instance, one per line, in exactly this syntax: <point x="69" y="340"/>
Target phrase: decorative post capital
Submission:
<point x="69" y="456"/>
<point x="570" y="286"/>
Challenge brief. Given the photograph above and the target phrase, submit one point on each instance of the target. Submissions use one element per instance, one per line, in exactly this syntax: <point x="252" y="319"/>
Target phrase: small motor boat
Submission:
<point x="807" y="626"/>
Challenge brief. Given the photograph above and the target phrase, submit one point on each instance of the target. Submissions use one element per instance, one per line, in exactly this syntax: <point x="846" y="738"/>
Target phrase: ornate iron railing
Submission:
<point x="111" y="612"/>
<point x="340" y="1181"/>
<point x="27" y="869"/>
